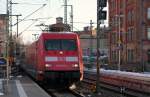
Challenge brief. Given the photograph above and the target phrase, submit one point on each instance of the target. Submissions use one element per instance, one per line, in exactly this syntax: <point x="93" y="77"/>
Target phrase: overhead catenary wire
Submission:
<point x="41" y="30"/>
<point x="51" y="6"/>
<point x="76" y="28"/>
<point x="83" y="22"/>
<point x="55" y="11"/>
<point x="26" y="3"/>
<point x="31" y="30"/>
<point x="27" y="27"/>
<point x="24" y="19"/>
<point x="37" y="19"/>
<point x="30" y="14"/>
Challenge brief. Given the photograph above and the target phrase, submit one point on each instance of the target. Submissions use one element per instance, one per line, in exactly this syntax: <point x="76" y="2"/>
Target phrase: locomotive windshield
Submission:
<point x="60" y="44"/>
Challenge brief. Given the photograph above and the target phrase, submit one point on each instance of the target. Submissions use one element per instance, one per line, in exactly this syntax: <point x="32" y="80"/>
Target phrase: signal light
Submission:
<point x="102" y="3"/>
<point x="103" y="15"/>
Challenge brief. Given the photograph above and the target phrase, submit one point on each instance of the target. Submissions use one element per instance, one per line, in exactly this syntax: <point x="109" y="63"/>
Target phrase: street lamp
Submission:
<point x="119" y="39"/>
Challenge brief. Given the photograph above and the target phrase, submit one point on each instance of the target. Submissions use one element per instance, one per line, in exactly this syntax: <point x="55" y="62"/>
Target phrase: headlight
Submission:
<point x="40" y="72"/>
<point x="48" y="65"/>
<point x="75" y="65"/>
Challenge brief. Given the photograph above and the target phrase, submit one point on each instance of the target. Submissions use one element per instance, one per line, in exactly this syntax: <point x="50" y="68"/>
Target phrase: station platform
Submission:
<point x="22" y="87"/>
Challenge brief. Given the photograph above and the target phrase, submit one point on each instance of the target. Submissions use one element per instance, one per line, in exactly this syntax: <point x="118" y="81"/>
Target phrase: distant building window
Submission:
<point x="114" y="38"/>
<point x="129" y="16"/>
<point x="113" y="4"/>
<point x="114" y="56"/>
<point x="131" y="1"/>
<point x="148" y="56"/>
<point x="132" y="16"/>
<point x="130" y="55"/>
<point x="130" y="34"/>
<point x="121" y="4"/>
<point x="148" y="13"/>
<point x="148" y="33"/>
<point x="112" y="22"/>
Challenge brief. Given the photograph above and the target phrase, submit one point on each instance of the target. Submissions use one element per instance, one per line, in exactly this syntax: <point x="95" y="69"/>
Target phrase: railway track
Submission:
<point x="64" y="93"/>
<point x="116" y="84"/>
<point x="61" y="91"/>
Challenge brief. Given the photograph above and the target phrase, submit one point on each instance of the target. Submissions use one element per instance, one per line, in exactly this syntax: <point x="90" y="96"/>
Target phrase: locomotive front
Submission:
<point x="62" y="58"/>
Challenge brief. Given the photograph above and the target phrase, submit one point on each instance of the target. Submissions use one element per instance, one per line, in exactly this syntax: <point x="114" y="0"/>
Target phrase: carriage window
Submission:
<point x="69" y="44"/>
<point x="52" y="44"/>
<point x="60" y="44"/>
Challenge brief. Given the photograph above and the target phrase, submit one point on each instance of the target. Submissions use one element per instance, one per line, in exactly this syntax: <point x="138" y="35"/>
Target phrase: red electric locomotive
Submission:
<point x="55" y="56"/>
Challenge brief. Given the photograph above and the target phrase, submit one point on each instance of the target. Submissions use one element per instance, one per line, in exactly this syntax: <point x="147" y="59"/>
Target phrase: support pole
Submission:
<point x="71" y="16"/>
<point x="98" y="46"/>
<point x="65" y="12"/>
<point x="91" y="40"/>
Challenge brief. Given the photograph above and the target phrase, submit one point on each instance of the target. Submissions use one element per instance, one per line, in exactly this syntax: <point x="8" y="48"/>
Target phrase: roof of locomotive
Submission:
<point x="58" y="34"/>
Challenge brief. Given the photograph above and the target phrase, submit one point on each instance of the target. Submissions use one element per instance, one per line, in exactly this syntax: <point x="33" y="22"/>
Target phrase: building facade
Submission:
<point x="3" y="33"/>
<point x="129" y="38"/>
<point x="89" y="42"/>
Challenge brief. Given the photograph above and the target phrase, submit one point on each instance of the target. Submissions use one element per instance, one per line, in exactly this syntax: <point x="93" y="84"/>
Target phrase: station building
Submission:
<point x="129" y="38"/>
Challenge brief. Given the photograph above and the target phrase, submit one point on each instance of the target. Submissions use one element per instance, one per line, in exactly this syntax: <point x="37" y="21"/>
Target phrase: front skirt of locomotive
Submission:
<point x="67" y="77"/>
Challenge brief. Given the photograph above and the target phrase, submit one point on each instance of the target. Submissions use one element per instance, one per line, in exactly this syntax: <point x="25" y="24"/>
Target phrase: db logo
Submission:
<point x="61" y="58"/>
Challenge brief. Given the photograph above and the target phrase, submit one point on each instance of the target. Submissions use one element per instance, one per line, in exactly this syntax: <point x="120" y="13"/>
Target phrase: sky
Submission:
<point x="83" y="12"/>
